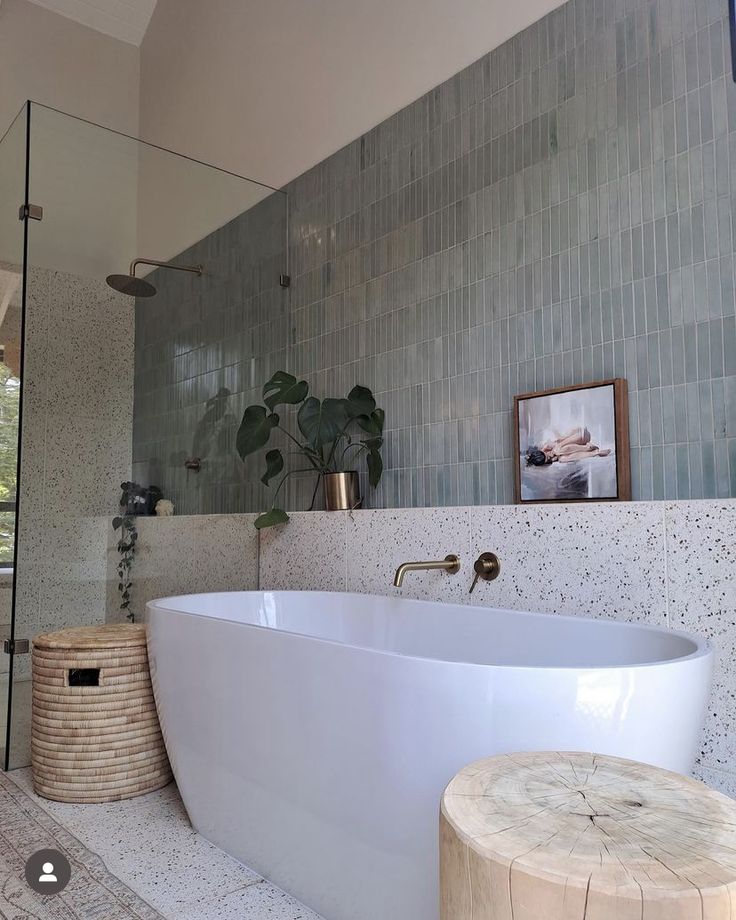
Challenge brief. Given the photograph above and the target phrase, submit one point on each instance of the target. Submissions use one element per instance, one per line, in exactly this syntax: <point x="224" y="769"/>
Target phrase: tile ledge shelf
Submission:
<point x="578" y="506"/>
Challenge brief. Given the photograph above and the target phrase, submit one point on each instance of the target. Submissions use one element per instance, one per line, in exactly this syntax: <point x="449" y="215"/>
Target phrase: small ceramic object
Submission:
<point x="164" y="508"/>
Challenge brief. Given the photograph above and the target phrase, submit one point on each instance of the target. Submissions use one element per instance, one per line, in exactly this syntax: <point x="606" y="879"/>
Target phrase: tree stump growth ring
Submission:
<point x="571" y="836"/>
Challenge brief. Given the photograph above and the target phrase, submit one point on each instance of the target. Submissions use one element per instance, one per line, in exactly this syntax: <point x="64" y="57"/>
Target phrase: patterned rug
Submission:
<point x="93" y="893"/>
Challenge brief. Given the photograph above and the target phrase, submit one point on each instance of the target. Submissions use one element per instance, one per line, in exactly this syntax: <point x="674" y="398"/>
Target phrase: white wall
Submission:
<point x="269" y="88"/>
<point x="91" y="182"/>
<point x="50" y="59"/>
<point x="85" y="179"/>
<point x="180" y="202"/>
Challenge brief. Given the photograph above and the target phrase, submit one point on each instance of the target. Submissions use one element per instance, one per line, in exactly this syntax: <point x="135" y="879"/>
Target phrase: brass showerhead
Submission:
<point x="139" y="287"/>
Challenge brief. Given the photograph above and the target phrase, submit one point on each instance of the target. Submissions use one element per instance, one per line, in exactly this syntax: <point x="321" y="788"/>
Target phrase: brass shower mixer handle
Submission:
<point x="487" y="567"/>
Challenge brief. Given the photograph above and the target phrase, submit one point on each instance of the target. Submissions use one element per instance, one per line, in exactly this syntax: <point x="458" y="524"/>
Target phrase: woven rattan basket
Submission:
<point x="95" y="731"/>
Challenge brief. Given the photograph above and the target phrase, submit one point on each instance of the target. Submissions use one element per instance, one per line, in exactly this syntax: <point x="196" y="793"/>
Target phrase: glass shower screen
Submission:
<point x="13" y="195"/>
<point x="95" y="358"/>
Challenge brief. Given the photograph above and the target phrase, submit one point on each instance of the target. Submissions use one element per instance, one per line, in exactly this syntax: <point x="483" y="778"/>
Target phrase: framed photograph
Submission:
<point x="572" y="444"/>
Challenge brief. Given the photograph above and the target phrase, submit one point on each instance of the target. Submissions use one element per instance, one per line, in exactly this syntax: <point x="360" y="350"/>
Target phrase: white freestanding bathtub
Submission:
<point x="312" y="734"/>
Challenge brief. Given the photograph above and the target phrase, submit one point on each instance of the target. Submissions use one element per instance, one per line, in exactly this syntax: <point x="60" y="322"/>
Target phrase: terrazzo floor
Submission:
<point x="3" y="710"/>
<point x="20" y="723"/>
<point x="149" y="844"/>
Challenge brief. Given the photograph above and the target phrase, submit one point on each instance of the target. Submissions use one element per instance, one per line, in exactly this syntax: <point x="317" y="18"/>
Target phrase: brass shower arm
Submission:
<point x="196" y="269"/>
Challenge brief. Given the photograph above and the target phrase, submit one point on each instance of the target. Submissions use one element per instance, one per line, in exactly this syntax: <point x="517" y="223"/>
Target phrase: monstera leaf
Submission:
<point x="274" y="465"/>
<point x="326" y="434"/>
<point x="271" y="518"/>
<point x="321" y="422"/>
<point x="372" y="422"/>
<point x="284" y="389"/>
<point x="375" y="467"/>
<point x="360" y="401"/>
<point x="255" y="430"/>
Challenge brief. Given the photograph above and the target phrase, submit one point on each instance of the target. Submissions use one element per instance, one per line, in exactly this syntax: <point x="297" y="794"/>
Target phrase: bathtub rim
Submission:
<point x="704" y="648"/>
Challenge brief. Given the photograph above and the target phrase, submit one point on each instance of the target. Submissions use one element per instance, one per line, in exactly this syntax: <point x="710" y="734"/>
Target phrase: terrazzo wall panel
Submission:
<point x="186" y="555"/>
<point x="75" y="443"/>
<point x="667" y="564"/>
<point x="561" y="211"/>
<point x="663" y="563"/>
<point x="701" y="564"/>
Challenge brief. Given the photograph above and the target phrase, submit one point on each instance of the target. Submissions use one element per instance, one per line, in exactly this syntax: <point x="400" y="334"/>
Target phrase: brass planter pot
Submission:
<point x="342" y="491"/>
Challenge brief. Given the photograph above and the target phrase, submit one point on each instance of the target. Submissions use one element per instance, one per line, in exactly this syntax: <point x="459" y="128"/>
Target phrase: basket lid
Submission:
<point x="114" y="635"/>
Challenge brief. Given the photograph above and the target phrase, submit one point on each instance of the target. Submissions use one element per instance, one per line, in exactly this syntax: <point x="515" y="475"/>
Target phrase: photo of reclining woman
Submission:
<point x="567" y="444"/>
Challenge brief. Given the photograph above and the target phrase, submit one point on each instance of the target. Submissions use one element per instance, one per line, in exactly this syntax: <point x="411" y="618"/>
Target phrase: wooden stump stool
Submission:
<point x="584" y="837"/>
<point x="95" y="734"/>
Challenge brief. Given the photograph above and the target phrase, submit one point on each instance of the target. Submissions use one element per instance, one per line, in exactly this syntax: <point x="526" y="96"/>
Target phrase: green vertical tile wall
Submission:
<point x="560" y="211"/>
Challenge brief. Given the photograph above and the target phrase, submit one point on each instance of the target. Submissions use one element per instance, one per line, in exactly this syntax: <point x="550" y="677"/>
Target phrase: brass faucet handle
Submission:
<point x="487" y="567"/>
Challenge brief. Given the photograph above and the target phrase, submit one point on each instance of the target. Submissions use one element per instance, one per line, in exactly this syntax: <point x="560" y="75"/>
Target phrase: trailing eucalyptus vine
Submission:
<point x="331" y="434"/>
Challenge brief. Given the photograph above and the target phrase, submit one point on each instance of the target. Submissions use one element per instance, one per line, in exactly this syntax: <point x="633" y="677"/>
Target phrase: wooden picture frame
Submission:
<point x="539" y="474"/>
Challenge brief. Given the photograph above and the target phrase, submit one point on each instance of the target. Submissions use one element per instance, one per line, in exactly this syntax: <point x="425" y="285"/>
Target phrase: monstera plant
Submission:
<point x="330" y="435"/>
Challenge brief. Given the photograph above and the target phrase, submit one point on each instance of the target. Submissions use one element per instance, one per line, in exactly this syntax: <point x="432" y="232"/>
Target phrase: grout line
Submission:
<point x="719" y="770"/>
<point x="203" y="907"/>
<point x="472" y="549"/>
<point x="258" y="559"/>
<point x="666" y="568"/>
<point x="345" y="549"/>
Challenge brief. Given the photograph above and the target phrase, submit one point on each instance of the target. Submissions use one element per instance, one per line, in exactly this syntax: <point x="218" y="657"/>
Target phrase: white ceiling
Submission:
<point x="123" y="19"/>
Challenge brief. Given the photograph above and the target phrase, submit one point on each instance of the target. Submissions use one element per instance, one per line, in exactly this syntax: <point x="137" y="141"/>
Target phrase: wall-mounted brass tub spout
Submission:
<point x="450" y="564"/>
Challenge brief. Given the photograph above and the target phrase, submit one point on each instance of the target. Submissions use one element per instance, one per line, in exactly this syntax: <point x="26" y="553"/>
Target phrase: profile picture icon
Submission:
<point x="48" y="871"/>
